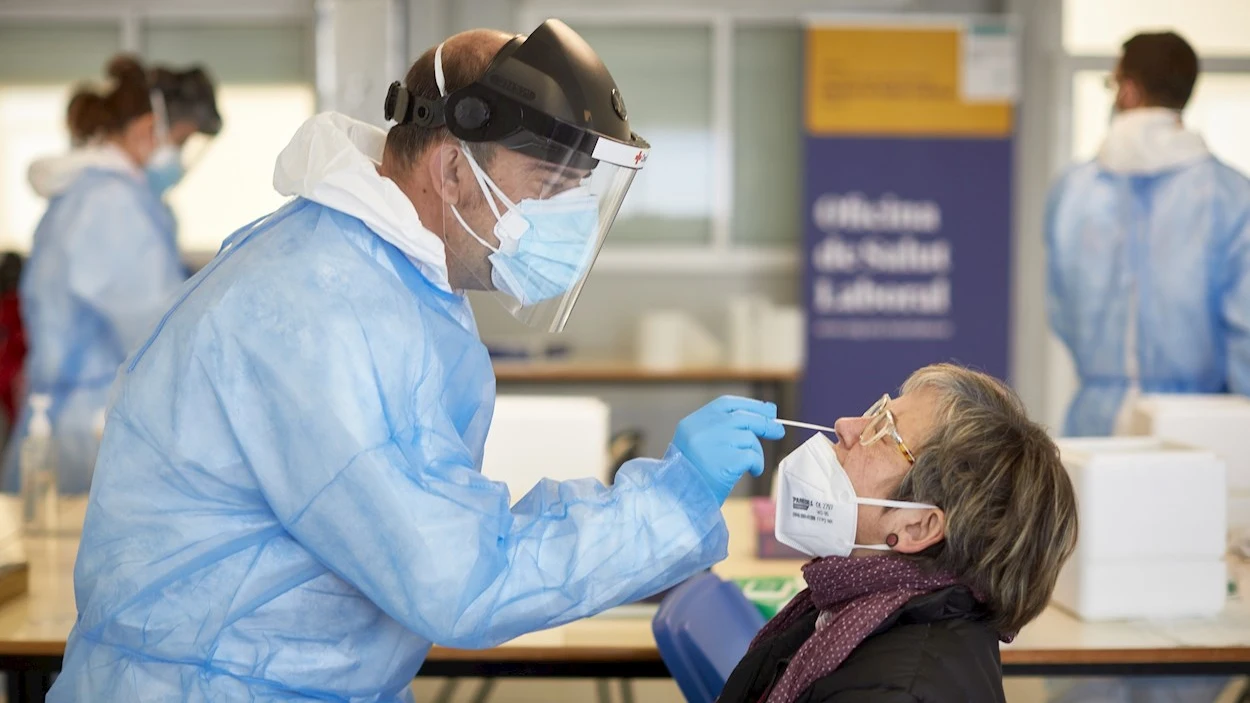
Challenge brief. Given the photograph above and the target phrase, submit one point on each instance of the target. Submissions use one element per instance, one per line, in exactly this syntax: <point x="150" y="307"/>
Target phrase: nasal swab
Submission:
<point x="807" y="426"/>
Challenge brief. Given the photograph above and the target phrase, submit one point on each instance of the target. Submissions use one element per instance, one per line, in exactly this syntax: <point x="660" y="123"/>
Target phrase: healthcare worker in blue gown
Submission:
<point x="288" y="503"/>
<point x="1149" y="245"/>
<point x="104" y="262"/>
<point x="1149" y="250"/>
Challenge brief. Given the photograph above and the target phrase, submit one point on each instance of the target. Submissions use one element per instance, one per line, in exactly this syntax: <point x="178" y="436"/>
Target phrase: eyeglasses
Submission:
<point x="881" y="424"/>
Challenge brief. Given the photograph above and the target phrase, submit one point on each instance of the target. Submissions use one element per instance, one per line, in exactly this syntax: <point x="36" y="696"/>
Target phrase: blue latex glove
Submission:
<point x="722" y="440"/>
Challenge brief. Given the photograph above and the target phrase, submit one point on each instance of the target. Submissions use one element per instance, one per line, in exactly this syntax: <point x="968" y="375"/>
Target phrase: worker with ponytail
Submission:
<point x="104" y="261"/>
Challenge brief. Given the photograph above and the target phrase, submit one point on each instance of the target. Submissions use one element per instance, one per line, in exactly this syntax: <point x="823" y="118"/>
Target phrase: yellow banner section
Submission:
<point x="906" y="81"/>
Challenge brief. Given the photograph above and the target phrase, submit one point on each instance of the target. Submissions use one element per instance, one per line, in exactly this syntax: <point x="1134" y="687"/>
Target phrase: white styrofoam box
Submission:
<point x="1219" y="423"/>
<point x="537" y="437"/>
<point x="783" y="341"/>
<point x="1146" y="498"/>
<point x="672" y="339"/>
<point x="1143" y="589"/>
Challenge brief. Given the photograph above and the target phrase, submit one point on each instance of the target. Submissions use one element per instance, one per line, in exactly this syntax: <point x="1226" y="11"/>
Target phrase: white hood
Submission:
<point x="333" y="160"/>
<point x="1148" y="141"/>
<point x="53" y="175"/>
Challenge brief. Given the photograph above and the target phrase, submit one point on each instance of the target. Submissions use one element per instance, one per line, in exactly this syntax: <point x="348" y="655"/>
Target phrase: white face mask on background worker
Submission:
<point x="185" y="120"/>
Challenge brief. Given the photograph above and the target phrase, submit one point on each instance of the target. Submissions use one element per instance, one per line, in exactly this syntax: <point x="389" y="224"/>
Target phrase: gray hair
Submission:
<point x="1011" y="515"/>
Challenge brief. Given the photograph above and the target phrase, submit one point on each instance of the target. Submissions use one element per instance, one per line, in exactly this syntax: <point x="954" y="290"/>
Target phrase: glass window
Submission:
<point x="233" y="183"/>
<point x="265" y="91"/>
<point x="32" y="125"/>
<point x="1219" y="110"/>
<point x="235" y="54"/>
<point x="665" y="76"/>
<point x="1214" y="27"/>
<point x="56" y="53"/>
<point x="39" y="64"/>
<point x="1091" y="112"/>
<point x="767" y="102"/>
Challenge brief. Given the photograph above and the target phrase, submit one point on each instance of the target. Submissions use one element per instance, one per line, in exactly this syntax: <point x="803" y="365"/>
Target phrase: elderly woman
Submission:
<point x="979" y="517"/>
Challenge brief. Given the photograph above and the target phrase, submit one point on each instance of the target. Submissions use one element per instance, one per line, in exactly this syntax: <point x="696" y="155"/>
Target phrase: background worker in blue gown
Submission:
<point x="1149" y="246"/>
<point x="104" y="262"/>
<point x="288" y="503"/>
<point x="1149" y="281"/>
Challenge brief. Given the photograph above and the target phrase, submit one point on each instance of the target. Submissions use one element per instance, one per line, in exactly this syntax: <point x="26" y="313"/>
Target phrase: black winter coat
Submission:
<point x="937" y="648"/>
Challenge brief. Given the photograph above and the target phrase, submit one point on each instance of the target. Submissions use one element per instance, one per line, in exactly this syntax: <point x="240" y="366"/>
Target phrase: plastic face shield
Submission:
<point x="191" y="151"/>
<point x="527" y="221"/>
<point x="528" y="201"/>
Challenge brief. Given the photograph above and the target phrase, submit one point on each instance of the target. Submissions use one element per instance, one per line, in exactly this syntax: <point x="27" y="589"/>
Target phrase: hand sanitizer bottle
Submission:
<point x="39" y="487"/>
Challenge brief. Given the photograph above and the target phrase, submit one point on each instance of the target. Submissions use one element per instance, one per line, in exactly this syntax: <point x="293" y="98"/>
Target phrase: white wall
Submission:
<point x="1040" y="368"/>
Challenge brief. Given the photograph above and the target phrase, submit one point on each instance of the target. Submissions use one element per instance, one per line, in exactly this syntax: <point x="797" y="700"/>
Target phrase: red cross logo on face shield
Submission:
<point x="639" y="157"/>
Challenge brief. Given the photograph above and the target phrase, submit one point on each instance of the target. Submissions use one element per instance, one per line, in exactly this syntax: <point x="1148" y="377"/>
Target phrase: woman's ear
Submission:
<point x="918" y="529"/>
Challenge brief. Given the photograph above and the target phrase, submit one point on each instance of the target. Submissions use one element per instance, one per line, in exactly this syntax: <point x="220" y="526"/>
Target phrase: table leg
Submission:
<point x="627" y="691"/>
<point x="483" y="693"/>
<point x="447" y="691"/>
<point x="28" y="686"/>
<point x="604" y="690"/>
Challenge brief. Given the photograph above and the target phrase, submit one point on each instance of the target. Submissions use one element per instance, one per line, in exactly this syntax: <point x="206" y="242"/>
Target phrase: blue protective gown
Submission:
<point x="288" y="504"/>
<point x="1149" y="271"/>
<point x="103" y="266"/>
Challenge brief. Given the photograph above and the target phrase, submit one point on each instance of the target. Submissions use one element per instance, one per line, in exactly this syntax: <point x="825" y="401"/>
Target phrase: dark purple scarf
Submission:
<point x="854" y="596"/>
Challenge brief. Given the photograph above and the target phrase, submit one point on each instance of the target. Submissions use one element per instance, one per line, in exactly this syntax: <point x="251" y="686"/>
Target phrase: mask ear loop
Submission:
<point x="440" y="80"/>
<point x="484" y="183"/>
<point x="162" y="117"/>
<point x="469" y="229"/>
<point x="891" y="540"/>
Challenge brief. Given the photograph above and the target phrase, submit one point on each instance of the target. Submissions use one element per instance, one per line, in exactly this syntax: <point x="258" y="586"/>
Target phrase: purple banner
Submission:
<point x="908" y="253"/>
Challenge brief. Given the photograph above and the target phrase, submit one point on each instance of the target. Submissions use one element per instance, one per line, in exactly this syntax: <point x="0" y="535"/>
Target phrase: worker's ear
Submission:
<point x="138" y="137"/>
<point x="448" y="172"/>
<point x="1130" y="95"/>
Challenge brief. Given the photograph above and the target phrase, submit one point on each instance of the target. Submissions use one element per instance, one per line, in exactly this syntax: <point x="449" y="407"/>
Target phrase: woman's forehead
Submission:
<point x="915" y="414"/>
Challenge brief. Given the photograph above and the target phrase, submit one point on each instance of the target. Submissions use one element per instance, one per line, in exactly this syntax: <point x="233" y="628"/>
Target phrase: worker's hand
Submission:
<point x="722" y="440"/>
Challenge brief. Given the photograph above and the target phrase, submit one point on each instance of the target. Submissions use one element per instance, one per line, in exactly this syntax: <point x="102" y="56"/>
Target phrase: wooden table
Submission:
<point x="34" y="627"/>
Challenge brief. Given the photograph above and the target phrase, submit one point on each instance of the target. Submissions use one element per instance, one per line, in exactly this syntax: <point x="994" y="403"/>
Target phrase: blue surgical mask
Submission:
<point x="552" y="255"/>
<point x="546" y="245"/>
<point x="164" y="169"/>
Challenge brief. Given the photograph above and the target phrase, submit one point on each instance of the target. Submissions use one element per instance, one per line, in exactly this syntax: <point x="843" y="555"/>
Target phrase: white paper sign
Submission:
<point x="990" y="68"/>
